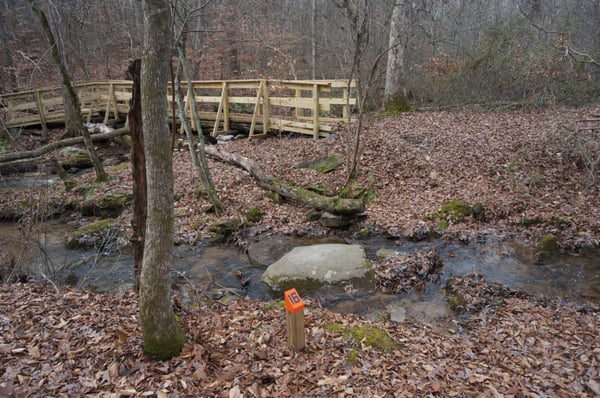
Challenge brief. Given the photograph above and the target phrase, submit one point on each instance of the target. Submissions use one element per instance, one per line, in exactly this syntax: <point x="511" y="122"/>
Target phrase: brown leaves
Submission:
<point x="402" y="272"/>
<point x="517" y="347"/>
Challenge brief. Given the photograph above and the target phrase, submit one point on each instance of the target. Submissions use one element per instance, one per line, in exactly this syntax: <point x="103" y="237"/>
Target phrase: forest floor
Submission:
<point x="529" y="173"/>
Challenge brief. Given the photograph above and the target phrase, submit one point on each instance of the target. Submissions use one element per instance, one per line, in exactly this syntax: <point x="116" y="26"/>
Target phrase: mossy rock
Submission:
<point x="546" y="247"/>
<point x="226" y="227"/>
<point x="91" y="235"/>
<point x="110" y="205"/>
<point x="396" y="105"/>
<point x="453" y="211"/>
<point x="322" y="165"/>
<point x="368" y="335"/>
<point x="74" y="157"/>
<point x="253" y="215"/>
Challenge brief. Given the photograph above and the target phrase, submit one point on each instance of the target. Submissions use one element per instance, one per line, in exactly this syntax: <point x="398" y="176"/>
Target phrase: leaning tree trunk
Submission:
<point x="198" y="157"/>
<point x="334" y="205"/>
<point x="74" y="124"/>
<point x="161" y="332"/>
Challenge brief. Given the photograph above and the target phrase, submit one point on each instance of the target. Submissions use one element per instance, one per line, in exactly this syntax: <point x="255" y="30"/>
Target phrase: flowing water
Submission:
<point x="220" y="270"/>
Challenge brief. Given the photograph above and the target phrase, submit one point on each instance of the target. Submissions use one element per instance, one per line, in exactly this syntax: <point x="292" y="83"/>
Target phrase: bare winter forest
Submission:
<point x="467" y="170"/>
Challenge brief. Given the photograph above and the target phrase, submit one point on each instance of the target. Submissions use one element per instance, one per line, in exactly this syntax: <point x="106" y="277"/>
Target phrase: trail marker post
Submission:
<point x="294" y="316"/>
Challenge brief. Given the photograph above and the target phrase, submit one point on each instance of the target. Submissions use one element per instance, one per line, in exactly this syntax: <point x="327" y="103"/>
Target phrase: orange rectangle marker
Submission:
<point x="293" y="301"/>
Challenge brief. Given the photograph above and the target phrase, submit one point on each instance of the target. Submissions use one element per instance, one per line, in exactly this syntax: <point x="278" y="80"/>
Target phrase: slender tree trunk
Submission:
<point x="74" y="124"/>
<point x="396" y="71"/>
<point x="161" y="332"/>
<point x="314" y="39"/>
<point x="138" y="163"/>
<point x="199" y="156"/>
<point x="7" y="76"/>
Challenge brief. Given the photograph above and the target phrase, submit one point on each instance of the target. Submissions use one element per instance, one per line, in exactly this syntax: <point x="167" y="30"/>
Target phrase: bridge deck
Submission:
<point x="302" y="106"/>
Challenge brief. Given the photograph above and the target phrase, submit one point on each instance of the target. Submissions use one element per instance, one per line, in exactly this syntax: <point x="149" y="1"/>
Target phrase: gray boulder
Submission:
<point x="323" y="263"/>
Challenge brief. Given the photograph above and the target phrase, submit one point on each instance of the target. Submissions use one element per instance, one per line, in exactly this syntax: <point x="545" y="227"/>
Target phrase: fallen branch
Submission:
<point x="334" y="205"/>
<point x="59" y="144"/>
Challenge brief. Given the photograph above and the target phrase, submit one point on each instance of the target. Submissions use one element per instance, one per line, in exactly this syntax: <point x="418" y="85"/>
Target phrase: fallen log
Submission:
<point x="59" y="144"/>
<point x="334" y="204"/>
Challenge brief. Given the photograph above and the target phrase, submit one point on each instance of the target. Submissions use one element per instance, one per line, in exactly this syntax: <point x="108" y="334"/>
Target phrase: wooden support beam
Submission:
<point x="40" y="107"/>
<point x="315" y="111"/>
<point x="266" y="107"/>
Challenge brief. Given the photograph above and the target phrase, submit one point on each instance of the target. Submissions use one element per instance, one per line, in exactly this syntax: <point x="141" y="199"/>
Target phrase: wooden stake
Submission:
<point x="294" y="316"/>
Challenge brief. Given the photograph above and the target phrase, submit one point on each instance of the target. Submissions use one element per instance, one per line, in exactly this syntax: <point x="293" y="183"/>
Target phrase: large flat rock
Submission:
<point x="324" y="263"/>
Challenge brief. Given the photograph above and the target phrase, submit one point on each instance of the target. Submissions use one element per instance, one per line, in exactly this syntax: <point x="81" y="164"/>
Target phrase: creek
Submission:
<point x="223" y="270"/>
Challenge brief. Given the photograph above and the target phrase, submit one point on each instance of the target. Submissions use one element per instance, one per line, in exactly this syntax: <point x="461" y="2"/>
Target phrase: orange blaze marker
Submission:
<point x="293" y="301"/>
<point x="294" y="316"/>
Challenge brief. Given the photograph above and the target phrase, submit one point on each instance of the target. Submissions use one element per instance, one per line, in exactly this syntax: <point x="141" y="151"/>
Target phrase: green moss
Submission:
<point x="369" y="335"/>
<point x="396" y="105"/>
<point x="164" y="345"/>
<point x="456" y="300"/>
<point x="452" y="211"/>
<point x="527" y="222"/>
<point x="318" y="189"/>
<point x="93" y="228"/>
<point x="356" y="191"/>
<point x="200" y="222"/>
<point x="479" y="212"/>
<point x="275" y="197"/>
<point x="546" y="247"/>
<point x="253" y="215"/>
<point x="366" y="232"/>
<point x="353" y="355"/>
<point x="274" y="305"/>
<point x="226" y="227"/>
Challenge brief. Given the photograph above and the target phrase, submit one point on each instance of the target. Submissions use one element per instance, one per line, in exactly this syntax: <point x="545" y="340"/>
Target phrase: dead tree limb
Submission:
<point x="59" y="144"/>
<point x="334" y="205"/>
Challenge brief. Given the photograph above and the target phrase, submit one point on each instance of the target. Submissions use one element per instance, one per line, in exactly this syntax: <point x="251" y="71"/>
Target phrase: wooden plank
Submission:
<point x="41" y="108"/>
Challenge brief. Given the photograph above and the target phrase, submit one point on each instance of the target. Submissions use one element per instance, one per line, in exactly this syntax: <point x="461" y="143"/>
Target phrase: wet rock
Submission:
<point x="336" y="220"/>
<point x="74" y="157"/>
<point x="397" y="313"/>
<point x="324" y="263"/>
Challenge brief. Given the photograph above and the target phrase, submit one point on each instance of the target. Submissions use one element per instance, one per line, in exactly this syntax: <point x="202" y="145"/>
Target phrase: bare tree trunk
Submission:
<point x="396" y="72"/>
<point x="314" y="39"/>
<point x="198" y="157"/>
<point x="138" y="163"/>
<point x="74" y="125"/>
<point x="6" y="61"/>
<point x="161" y="332"/>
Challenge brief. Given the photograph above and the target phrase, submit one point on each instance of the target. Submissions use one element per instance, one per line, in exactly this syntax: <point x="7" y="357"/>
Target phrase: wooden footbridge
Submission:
<point x="303" y="106"/>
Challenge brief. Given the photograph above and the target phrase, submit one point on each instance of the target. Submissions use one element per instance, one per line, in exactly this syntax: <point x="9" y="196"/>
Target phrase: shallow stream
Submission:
<point x="223" y="270"/>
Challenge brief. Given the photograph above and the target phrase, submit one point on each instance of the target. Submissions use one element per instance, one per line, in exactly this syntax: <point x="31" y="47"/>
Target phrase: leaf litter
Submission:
<point x="520" y="166"/>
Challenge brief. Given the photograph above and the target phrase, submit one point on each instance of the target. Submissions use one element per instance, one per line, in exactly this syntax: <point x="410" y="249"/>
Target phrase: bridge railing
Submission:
<point x="303" y="106"/>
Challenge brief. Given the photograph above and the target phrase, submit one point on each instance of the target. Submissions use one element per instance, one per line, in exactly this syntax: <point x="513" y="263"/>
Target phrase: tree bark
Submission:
<point x="161" y="332"/>
<point x="334" y="205"/>
<point x="138" y="163"/>
<point x="396" y="71"/>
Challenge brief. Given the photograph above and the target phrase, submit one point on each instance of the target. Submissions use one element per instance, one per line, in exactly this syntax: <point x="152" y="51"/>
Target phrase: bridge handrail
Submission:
<point x="293" y="105"/>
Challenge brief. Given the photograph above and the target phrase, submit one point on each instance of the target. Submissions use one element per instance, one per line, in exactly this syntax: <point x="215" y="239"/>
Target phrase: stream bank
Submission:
<point x="222" y="272"/>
